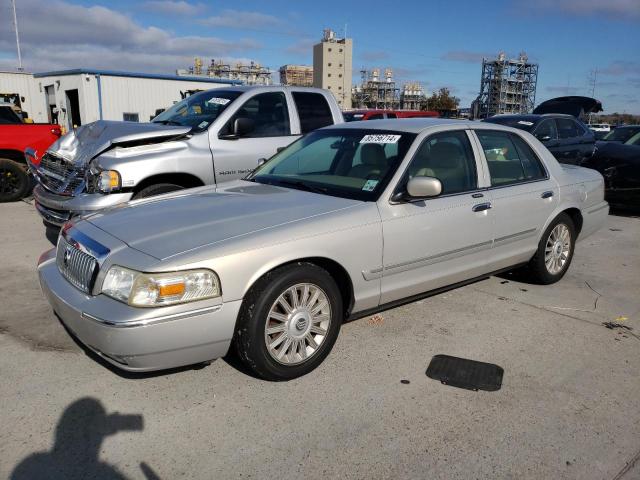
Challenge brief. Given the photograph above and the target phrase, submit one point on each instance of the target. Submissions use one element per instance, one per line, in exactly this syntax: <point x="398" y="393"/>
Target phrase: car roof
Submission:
<point x="247" y="88"/>
<point x="409" y="125"/>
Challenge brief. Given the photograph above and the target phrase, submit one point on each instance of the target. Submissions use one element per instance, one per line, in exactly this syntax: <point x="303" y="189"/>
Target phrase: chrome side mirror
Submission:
<point x="423" y="187"/>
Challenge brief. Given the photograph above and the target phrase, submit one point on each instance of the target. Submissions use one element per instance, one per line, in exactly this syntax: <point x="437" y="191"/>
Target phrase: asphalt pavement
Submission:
<point x="568" y="407"/>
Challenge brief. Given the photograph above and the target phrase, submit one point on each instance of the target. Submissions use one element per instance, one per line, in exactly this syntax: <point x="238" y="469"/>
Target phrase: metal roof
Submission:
<point x="118" y="73"/>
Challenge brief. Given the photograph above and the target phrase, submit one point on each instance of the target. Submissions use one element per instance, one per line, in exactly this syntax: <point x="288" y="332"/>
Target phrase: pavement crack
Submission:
<point x="628" y="466"/>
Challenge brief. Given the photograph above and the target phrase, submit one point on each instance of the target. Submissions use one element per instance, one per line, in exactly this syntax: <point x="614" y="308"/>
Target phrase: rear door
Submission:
<point x="571" y="138"/>
<point x="441" y="240"/>
<point x="272" y="116"/>
<point x="522" y="196"/>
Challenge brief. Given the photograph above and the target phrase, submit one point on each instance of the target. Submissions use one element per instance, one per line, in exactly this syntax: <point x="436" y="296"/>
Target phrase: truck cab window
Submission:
<point x="313" y="110"/>
<point x="269" y="113"/>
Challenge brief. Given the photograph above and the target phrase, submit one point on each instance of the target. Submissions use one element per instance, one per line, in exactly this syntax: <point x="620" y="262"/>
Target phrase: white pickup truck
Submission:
<point x="210" y="137"/>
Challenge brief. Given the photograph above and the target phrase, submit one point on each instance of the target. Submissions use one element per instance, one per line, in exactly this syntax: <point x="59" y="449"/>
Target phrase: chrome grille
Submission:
<point x="59" y="175"/>
<point x="78" y="267"/>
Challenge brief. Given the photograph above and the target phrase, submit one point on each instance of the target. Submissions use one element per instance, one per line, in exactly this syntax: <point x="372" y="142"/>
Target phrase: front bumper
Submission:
<point x="140" y="339"/>
<point x="57" y="209"/>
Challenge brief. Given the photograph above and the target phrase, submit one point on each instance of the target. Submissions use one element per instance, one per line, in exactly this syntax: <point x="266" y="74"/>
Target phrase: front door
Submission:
<point x="441" y="240"/>
<point x="522" y="196"/>
<point x="234" y="158"/>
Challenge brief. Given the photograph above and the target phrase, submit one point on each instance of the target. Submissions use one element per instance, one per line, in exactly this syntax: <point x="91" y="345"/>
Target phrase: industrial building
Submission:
<point x="412" y="96"/>
<point x="76" y="97"/>
<point x="296" y="75"/>
<point x="376" y="90"/>
<point x="332" y="60"/>
<point x="248" y="73"/>
<point x="506" y="86"/>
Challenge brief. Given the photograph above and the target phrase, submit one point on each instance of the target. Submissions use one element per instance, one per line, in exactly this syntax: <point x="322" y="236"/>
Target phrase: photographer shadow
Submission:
<point x="79" y="435"/>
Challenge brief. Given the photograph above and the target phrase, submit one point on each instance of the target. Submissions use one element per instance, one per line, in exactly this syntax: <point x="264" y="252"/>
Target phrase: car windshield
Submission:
<point x="348" y="163"/>
<point x="198" y="110"/>
<point x="621" y="134"/>
<point x="352" y="116"/>
<point x="523" y="123"/>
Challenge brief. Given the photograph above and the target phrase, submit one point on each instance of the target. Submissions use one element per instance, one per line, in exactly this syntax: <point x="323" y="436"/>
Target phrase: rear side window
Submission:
<point x="509" y="158"/>
<point x="313" y="110"/>
<point x="547" y="128"/>
<point x="567" y="128"/>
<point x="448" y="157"/>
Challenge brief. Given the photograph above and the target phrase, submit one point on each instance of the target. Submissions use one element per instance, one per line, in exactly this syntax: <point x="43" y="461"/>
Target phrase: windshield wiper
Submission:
<point x="300" y="185"/>
<point x="168" y="122"/>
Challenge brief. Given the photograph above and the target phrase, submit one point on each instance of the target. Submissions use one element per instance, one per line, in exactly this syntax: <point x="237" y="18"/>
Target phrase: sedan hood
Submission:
<point x="80" y="145"/>
<point x="168" y="225"/>
<point x="572" y="105"/>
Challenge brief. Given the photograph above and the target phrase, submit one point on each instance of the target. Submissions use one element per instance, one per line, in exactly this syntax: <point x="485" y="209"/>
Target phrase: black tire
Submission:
<point x="537" y="268"/>
<point x="14" y="181"/>
<point x="157" y="189"/>
<point x="250" y="339"/>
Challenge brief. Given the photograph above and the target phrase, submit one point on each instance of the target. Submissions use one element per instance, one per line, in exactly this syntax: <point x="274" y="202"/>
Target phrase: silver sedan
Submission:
<point x="347" y="221"/>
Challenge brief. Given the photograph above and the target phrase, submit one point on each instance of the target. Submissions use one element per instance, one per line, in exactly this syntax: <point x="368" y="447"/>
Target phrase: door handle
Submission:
<point x="477" y="195"/>
<point x="481" y="207"/>
<point x="546" y="194"/>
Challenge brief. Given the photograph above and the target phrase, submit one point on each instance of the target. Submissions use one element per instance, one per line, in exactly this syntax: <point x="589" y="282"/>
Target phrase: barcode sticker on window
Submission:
<point x="380" y="138"/>
<point x="370" y="185"/>
<point x="218" y="101"/>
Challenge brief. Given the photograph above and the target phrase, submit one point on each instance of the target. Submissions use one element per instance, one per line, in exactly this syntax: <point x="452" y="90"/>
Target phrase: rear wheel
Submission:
<point x="555" y="251"/>
<point x="14" y="181"/>
<point x="157" y="189"/>
<point x="289" y="322"/>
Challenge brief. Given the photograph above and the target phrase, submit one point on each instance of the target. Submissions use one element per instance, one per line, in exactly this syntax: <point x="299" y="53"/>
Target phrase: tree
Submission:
<point x="442" y="100"/>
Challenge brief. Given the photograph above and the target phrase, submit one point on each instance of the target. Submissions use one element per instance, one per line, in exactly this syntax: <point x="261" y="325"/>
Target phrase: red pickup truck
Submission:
<point x="15" y="136"/>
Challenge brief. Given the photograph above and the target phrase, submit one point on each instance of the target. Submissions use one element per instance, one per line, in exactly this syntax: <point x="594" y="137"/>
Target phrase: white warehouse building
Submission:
<point x="75" y="97"/>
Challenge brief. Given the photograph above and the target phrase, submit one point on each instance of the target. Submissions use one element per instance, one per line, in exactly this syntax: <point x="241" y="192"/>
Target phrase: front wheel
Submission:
<point x="14" y="181"/>
<point x="289" y="322"/>
<point x="555" y="251"/>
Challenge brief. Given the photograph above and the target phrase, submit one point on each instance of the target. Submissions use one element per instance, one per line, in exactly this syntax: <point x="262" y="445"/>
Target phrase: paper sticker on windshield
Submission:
<point x="370" y="185"/>
<point x="203" y="124"/>
<point x="380" y="138"/>
<point x="523" y="122"/>
<point x="218" y="101"/>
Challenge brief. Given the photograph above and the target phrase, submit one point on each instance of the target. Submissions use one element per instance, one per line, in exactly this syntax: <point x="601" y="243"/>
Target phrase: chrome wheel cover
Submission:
<point x="297" y="324"/>
<point x="557" y="249"/>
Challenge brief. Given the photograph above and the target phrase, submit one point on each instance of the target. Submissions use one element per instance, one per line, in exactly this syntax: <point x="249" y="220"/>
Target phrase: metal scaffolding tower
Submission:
<point x="376" y="91"/>
<point x="506" y="86"/>
<point x="250" y="74"/>
<point x="412" y="96"/>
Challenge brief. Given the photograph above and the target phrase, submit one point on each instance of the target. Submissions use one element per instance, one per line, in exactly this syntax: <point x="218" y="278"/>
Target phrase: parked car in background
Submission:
<point x="619" y="164"/>
<point x="599" y="129"/>
<point x="210" y="137"/>
<point x="566" y="137"/>
<point x="349" y="220"/>
<point x="359" y="115"/>
<point x="622" y="133"/>
<point x="15" y="137"/>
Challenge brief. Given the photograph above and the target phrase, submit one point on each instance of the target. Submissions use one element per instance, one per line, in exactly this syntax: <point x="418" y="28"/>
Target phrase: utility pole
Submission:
<point x="15" y="25"/>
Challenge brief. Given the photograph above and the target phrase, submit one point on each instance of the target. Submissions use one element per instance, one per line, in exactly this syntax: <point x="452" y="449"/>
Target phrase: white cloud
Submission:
<point x="171" y="7"/>
<point x="99" y="37"/>
<point x="613" y="9"/>
<point x="241" y="20"/>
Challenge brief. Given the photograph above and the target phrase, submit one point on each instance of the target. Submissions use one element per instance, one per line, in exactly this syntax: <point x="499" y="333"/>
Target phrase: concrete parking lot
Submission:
<point x="568" y="406"/>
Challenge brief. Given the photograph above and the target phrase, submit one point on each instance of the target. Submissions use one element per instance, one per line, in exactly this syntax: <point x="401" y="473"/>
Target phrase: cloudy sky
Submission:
<point x="439" y="43"/>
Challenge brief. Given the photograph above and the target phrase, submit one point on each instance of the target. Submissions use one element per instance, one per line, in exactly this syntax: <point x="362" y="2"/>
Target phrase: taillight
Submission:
<point x="56" y="131"/>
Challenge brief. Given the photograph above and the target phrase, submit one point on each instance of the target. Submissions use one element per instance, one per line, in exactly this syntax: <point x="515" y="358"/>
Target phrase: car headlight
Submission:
<point x="108" y="181"/>
<point x="158" y="289"/>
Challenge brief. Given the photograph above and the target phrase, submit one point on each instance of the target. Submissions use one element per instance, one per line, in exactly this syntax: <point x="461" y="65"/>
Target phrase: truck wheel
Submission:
<point x="289" y="321"/>
<point x="157" y="189"/>
<point x="14" y="181"/>
<point x="555" y="251"/>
